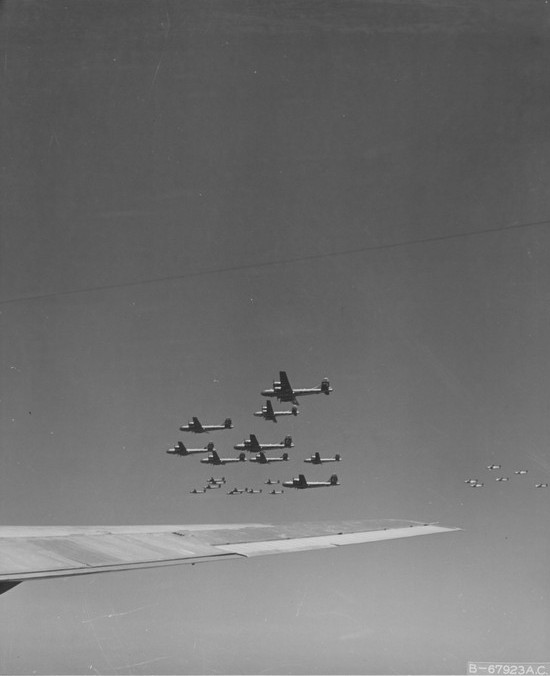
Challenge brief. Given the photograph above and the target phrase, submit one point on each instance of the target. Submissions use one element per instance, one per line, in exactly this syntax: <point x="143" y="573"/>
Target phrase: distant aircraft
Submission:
<point x="267" y="412"/>
<point x="503" y="478"/>
<point x="270" y="482"/>
<point x="470" y="481"/>
<point x="211" y="487"/>
<point x="316" y="459"/>
<point x="284" y="392"/>
<point x="541" y="485"/>
<point x="41" y="552"/>
<point x="195" y="491"/>
<point x="195" y="426"/>
<point x="479" y="484"/>
<point x="252" y="491"/>
<point x="253" y="445"/>
<point x="494" y="466"/>
<point x="214" y="459"/>
<point x="521" y="471"/>
<point x="236" y="491"/>
<point x="274" y="492"/>
<point x="263" y="460"/>
<point x="301" y="482"/>
<point x="216" y="481"/>
<point x="180" y="449"/>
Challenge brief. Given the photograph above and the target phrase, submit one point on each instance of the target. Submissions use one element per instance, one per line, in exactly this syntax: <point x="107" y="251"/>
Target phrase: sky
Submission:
<point x="197" y="195"/>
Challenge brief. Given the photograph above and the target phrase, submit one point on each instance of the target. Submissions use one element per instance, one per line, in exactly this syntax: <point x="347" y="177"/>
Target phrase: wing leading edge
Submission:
<point x="34" y="552"/>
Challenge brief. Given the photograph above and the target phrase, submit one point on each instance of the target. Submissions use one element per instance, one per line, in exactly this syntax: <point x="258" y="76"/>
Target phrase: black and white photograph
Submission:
<point x="275" y="337"/>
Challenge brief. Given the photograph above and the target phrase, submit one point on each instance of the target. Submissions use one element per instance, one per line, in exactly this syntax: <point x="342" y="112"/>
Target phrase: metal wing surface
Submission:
<point x="31" y="552"/>
<point x="286" y="389"/>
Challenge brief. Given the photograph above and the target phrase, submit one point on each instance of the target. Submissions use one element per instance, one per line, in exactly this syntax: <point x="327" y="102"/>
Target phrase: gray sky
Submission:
<point x="210" y="142"/>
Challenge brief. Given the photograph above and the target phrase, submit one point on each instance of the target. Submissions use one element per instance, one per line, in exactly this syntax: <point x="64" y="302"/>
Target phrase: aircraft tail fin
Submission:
<point x="242" y="457"/>
<point x="337" y="457"/>
<point x="228" y="423"/>
<point x="317" y="456"/>
<point x="210" y="446"/>
<point x="295" y="410"/>
<point x="334" y="480"/>
<point x="181" y="447"/>
<point x="288" y="442"/>
<point x="284" y="456"/>
<point x="302" y="483"/>
<point x="325" y="386"/>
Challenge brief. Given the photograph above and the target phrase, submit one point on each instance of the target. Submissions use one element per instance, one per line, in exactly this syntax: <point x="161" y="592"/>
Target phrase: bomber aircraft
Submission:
<point x="267" y="412"/>
<point x="479" y="484"/>
<point x="195" y="425"/>
<point x="252" y="491"/>
<point x="214" y="459"/>
<point x="470" y="481"/>
<point x="180" y="449"/>
<point x="521" y="471"/>
<point x="541" y="485"/>
<point x="274" y="492"/>
<point x="253" y="445"/>
<point x="41" y="552"/>
<point x="494" y="466"/>
<point x="271" y="482"/>
<point x="236" y="491"/>
<point x="502" y="478"/>
<point x="216" y="481"/>
<point x="196" y="491"/>
<point x="316" y="459"/>
<point x="300" y="482"/>
<point x="261" y="458"/>
<point x="283" y="390"/>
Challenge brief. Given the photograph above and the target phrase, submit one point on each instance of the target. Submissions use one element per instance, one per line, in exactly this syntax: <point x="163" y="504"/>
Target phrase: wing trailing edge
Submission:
<point x="37" y="552"/>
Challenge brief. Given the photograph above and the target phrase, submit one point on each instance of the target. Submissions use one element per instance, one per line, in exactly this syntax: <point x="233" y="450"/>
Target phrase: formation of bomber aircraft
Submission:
<point x="284" y="392"/>
<point x="475" y="483"/>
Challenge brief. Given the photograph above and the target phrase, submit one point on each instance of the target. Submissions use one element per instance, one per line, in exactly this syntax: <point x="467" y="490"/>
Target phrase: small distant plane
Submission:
<point x="236" y="491"/>
<point x="479" y="484"/>
<point x="253" y="445"/>
<point x="503" y="478"/>
<point x="494" y="466"/>
<point x="196" y="426"/>
<point x="316" y="459"/>
<point x="267" y="412"/>
<point x="261" y="458"/>
<point x="214" y="459"/>
<point x="180" y="449"/>
<point x="211" y="487"/>
<point x="285" y="392"/>
<point x="541" y="485"/>
<point x="470" y="481"/>
<point x="216" y="481"/>
<point x="270" y="482"/>
<point x="521" y="471"/>
<point x="274" y="492"/>
<point x="252" y="491"/>
<point x="300" y="482"/>
<point x="196" y="491"/>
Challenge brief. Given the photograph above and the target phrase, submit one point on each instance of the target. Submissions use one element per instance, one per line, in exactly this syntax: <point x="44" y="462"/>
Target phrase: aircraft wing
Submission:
<point x="197" y="427"/>
<point x="33" y="552"/>
<point x="286" y="389"/>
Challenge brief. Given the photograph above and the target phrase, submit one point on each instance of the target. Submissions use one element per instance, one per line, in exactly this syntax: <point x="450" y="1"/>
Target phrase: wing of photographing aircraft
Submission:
<point x="35" y="552"/>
